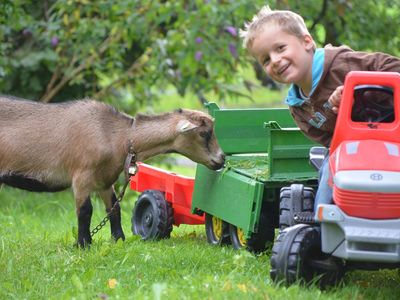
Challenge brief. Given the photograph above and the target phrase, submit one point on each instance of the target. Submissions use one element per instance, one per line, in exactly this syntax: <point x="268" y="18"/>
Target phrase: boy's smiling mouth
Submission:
<point x="283" y="69"/>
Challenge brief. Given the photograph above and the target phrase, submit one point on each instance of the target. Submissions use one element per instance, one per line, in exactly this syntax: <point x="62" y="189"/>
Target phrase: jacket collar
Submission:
<point x="293" y="98"/>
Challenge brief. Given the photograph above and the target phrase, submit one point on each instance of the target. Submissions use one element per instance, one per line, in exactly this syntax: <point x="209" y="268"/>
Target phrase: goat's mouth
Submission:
<point x="215" y="165"/>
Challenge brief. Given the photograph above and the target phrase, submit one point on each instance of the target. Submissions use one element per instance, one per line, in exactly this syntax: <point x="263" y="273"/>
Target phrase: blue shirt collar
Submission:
<point x="293" y="97"/>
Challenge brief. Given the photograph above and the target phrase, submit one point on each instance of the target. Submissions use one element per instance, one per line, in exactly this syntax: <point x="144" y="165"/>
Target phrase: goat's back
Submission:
<point x="35" y="135"/>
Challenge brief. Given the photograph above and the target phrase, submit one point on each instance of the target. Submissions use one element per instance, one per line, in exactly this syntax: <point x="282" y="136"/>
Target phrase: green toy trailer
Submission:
<point x="265" y="151"/>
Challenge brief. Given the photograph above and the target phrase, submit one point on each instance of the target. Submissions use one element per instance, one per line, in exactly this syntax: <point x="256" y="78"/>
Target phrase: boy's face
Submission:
<point x="285" y="57"/>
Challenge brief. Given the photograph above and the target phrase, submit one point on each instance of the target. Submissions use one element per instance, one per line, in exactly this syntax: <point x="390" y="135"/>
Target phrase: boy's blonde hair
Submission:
<point x="289" y="21"/>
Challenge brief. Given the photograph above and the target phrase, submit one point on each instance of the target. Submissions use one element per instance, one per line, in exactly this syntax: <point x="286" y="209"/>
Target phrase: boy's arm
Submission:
<point x="384" y="62"/>
<point x="358" y="60"/>
<point x="377" y="61"/>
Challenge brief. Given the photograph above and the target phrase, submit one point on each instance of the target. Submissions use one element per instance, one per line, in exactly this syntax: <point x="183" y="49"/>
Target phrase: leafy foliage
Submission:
<point x="131" y="52"/>
<point x="364" y="25"/>
<point x="108" y="49"/>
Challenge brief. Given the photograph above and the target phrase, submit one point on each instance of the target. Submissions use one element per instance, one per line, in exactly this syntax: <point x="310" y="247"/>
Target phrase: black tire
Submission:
<point x="297" y="256"/>
<point x="293" y="199"/>
<point x="152" y="216"/>
<point x="217" y="231"/>
<point x="237" y="237"/>
<point x="259" y="241"/>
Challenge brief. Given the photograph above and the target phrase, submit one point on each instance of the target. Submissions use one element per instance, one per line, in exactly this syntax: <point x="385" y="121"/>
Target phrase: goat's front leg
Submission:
<point x="84" y="210"/>
<point x="110" y="199"/>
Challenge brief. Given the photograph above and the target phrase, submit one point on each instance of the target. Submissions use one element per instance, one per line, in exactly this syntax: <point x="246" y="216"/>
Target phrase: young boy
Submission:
<point x="281" y="43"/>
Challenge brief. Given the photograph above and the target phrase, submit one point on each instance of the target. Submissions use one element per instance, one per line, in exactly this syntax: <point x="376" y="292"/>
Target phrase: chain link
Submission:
<point x="130" y="161"/>
<point x="107" y="217"/>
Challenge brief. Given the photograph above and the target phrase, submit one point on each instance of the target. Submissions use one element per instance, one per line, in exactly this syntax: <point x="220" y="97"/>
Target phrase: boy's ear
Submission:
<point x="309" y="42"/>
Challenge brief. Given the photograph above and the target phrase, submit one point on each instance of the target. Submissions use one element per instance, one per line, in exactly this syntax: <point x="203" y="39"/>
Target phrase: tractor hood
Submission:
<point x="366" y="176"/>
<point x="367" y="166"/>
<point x="366" y="155"/>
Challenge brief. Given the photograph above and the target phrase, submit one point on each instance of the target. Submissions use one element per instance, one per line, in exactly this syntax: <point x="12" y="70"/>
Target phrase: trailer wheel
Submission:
<point x="293" y="199"/>
<point x="152" y="217"/>
<point x="217" y="230"/>
<point x="297" y="256"/>
<point x="259" y="241"/>
<point x="237" y="237"/>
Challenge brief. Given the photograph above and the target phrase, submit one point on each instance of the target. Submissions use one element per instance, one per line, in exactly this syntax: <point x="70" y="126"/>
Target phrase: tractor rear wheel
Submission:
<point x="152" y="217"/>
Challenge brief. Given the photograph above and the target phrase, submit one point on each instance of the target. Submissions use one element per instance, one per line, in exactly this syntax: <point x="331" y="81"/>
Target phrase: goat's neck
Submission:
<point x="152" y="138"/>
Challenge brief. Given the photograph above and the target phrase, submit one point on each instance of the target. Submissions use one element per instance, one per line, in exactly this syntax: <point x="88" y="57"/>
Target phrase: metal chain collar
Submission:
<point x="109" y="214"/>
<point x="130" y="168"/>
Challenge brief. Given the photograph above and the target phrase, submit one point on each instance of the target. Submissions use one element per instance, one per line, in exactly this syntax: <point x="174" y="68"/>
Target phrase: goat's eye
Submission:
<point x="206" y="134"/>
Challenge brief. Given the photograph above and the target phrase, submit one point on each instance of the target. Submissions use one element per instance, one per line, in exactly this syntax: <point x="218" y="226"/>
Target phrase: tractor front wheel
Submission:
<point x="297" y="256"/>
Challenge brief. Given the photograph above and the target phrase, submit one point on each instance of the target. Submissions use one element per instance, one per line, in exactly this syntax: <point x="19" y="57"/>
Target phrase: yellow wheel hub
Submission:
<point x="241" y="237"/>
<point x="217" y="227"/>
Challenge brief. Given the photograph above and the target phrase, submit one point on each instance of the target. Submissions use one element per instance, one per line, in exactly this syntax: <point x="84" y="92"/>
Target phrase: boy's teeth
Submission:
<point x="281" y="70"/>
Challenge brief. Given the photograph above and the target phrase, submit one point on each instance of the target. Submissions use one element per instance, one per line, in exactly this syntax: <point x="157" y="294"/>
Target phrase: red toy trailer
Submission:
<point x="166" y="200"/>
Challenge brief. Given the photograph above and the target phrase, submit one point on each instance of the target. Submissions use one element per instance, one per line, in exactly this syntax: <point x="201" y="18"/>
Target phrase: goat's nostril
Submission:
<point x="218" y="165"/>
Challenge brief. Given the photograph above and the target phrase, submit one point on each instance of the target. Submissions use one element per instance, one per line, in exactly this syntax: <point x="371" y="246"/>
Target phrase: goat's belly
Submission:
<point x="31" y="184"/>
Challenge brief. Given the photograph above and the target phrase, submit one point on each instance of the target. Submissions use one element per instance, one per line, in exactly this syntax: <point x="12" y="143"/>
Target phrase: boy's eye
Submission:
<point x="265" y="61"/>
<point x="281" y="48"/>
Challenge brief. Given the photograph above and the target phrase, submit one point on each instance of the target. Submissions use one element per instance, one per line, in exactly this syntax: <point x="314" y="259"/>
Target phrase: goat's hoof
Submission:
<point x="83" y="243"/>
<point x="118" y="235"/>
<point x="82" y="246"/>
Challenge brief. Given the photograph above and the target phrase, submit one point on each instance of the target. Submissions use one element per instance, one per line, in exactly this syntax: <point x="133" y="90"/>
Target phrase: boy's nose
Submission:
<point x="275" y="59"/>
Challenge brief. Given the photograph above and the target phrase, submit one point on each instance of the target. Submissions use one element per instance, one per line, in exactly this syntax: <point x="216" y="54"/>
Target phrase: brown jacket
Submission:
<point x="337" y="63"/>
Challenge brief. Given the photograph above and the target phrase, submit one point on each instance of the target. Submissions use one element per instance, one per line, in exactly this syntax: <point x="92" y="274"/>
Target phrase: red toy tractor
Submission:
<point x="361" y="228"/>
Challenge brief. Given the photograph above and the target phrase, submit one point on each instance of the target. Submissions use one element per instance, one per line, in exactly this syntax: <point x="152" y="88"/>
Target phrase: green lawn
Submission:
<point x="38" y="261"/>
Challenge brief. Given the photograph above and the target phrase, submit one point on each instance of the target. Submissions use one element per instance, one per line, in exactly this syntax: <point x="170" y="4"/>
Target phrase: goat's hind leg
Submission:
<point x="110" y="200"/>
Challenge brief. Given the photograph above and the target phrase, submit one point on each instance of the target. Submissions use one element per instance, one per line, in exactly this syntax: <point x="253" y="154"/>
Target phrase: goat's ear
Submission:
<point x="185" y="125"/>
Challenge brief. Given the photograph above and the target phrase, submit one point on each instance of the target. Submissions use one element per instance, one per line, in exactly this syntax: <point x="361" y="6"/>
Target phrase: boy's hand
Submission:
<point x="334" y="99"/>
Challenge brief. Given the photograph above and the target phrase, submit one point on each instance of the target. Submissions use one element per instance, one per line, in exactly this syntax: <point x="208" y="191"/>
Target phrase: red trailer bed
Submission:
<point x="177" y="190"/>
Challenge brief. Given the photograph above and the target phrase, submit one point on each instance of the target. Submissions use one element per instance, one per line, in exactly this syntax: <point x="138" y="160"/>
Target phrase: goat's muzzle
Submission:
<point x="218" y="164"/>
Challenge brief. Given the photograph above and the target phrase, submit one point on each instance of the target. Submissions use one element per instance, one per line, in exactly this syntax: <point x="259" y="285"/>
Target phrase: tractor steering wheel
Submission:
<point x="373" y="104"/>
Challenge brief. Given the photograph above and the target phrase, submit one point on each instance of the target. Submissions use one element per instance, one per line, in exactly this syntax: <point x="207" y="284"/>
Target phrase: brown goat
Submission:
<point x="83" y="144"/>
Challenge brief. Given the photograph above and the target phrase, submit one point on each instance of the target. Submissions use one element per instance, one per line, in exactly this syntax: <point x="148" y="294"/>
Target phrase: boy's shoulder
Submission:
<point x="335" y="53"/>
<point x="329" y="48"/>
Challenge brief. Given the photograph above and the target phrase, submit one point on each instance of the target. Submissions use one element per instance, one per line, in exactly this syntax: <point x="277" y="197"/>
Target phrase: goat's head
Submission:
<point x="196" y="139"/>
